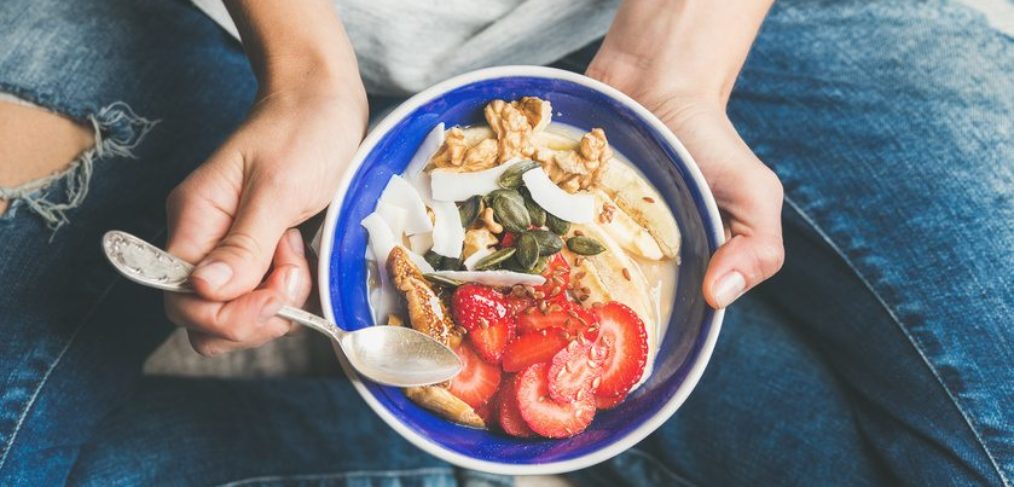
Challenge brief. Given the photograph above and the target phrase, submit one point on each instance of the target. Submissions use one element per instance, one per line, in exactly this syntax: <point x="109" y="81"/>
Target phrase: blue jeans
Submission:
<point x="883" y="353"/>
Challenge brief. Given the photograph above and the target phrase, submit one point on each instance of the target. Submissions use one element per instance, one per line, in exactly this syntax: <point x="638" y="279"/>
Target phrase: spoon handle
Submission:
<point x="153" y="267"/>
<point x="311" y="320"/>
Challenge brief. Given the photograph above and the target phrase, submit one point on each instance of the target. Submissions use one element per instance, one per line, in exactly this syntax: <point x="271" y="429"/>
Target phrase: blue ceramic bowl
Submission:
<point x="647" y="143"/>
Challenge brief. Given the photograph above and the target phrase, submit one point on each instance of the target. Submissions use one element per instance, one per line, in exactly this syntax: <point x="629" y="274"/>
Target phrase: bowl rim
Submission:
<point x="324" y="278"/>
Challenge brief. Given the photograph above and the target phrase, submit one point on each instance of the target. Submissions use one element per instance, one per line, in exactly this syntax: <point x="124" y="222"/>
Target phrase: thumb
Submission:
<point x="239" y="261"/>
<point x="742" y="263"/>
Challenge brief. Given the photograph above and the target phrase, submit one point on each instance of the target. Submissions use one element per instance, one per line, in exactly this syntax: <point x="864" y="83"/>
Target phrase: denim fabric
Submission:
<point x="882" y="354"/>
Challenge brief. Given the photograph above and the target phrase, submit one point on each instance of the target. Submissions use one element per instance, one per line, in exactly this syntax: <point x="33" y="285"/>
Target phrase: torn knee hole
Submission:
<point x="47" y="159"/>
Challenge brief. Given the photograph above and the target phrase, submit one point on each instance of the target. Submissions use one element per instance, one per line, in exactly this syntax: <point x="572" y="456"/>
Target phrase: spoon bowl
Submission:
<point x="389" y="355"/>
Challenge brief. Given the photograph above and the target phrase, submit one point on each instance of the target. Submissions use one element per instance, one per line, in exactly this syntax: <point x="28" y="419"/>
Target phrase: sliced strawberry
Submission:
<point x="533" y="348"/>
<point x="574" y="373"/>
<point x="544" y="415"/>
<point x="491" y="341"/>
<point x="487" y="412"/>
<point x="477" y="381"/>
<point x="568" y="316"/>
<point x="608" y="402"/>
<point x="508" y="413"/>
<point x="475" y="306"/>
<point x="623" y="346"/>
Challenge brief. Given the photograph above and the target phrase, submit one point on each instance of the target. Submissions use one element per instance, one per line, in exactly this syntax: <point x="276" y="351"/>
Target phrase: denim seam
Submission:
<point x="417" y="472"/>
<point x="929" y="365"/>
<point x="35" y="394"/>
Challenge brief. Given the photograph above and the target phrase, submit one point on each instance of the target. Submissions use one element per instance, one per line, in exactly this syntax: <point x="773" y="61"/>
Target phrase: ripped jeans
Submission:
<point x="883" y="353"/>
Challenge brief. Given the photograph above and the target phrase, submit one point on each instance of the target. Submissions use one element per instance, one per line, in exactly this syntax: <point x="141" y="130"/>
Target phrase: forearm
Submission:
<point x="685" y="48"/>
<point x="298" y="45"/>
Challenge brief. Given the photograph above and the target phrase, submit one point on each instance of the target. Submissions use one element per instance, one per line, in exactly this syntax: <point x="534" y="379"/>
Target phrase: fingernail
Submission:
<point x="216" y="274"/>
<point x="270" y="309"/>
<point x="295" y="241"/>
<point x="729" y="288"/>
<point x="293" y="283"/>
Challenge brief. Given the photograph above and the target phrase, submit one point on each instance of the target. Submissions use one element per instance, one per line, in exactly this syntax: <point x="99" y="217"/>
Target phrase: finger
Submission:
<point x="755" y="251"/>
<point x="245" y="321"/>
<point x="248" y="321"/>
<point x="240" y="260"/>
<point x="200" y="210"/>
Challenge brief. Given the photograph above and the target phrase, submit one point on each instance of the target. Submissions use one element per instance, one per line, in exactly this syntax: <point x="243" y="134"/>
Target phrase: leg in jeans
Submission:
<point x="164" y="85"/>
<point x="884" y="351"/>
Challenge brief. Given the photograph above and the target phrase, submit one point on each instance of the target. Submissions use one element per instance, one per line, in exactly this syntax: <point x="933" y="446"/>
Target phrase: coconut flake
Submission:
<point x="381" y="238"/>
<point x="403" y="195"/>
<point x="421" y="242"/>
<point x="448" y="185"/>
<point x="395" y="216"/>
<point x="448" y="234"/>
<point x="494" y="278"/>
<point x="415" y="173"/>
<point x="476" y="256"/>
<point x="576" y="208"/>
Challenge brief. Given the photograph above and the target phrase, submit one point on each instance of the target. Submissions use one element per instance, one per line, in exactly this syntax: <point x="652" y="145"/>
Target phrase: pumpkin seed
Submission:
<point x="433" y="258"/>
<point x="446" y="281"/>
<point x="535" y="211"/>
<point x="557" y="225"/>
<point x="585" y="246"/>
<point x="511" y="178"/>
<point x="540" y="265"/>
<point x="503" y="193"/>
<point x="511" y="213"/>
<point x="549" y="242"/>
<point x="528" y="251"/>
<point x="494" y="259"/>
<point x="469" y="210"/>
<point x="450" y="264"/>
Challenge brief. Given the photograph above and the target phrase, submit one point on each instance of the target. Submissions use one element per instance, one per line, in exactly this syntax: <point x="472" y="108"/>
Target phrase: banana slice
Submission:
<point x="441" y="401"/>
<point x="613" y="276"/>
<point x="633" y="237"/>
<point x="638" y="199"/>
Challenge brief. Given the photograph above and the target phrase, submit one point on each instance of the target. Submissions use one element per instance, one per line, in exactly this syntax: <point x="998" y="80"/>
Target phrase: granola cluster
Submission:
<point x="513" y="125"/>
<point x="579" y="169"/>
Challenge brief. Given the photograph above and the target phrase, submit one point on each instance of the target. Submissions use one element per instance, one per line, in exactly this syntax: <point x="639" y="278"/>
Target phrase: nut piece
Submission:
<point x="441" y="401"/>
<point x="476" y="240"/>
<point x="579" y="169"/>
<point x="513" y="123"/>
<point x="480" y="156"/>
<point x="426" y="311"/>
<point x="489" y="222"/>
<point x="455" y="153"/>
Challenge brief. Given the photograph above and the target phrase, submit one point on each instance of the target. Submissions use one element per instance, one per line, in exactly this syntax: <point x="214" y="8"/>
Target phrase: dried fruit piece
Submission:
<point x="441" y="401"/>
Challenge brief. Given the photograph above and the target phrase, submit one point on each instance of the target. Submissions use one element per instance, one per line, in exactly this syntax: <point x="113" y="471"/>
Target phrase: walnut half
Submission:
<point x="574" y="170"/>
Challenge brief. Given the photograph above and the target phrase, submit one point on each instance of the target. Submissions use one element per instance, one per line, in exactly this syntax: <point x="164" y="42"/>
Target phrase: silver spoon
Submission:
<point x="391" y="355"/>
